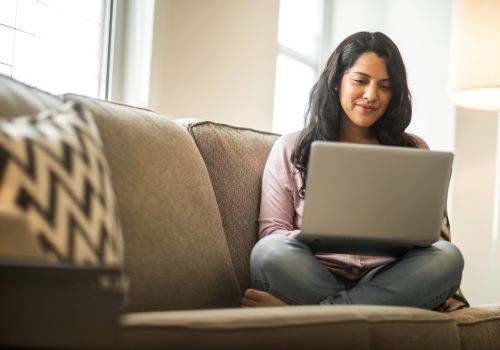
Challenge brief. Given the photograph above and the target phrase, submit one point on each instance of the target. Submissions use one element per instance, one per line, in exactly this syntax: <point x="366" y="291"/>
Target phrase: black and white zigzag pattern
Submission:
<point x="53" y="170"/>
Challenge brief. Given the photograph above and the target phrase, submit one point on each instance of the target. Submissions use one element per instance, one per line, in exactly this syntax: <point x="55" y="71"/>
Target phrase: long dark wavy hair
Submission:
<point x="324" y="111"/>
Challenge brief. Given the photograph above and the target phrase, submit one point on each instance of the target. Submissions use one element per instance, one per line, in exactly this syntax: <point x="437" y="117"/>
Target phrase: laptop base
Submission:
<point x="357" y="247"/>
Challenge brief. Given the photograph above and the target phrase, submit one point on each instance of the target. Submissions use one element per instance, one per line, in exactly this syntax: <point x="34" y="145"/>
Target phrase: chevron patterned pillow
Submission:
<point x="54" y="173"/>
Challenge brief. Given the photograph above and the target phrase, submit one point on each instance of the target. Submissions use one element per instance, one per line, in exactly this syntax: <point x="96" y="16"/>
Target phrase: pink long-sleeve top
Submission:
<point x="281" y="209"/>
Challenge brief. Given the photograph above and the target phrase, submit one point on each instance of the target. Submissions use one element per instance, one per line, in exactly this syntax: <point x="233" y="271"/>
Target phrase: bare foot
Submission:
<point x="257" y="298"/>
<point x="442" y="308"/>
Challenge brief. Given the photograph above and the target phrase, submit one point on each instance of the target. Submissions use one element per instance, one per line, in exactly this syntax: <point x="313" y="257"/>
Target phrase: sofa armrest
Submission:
<point x="479" y="326"/>
<point x="58" y="306"/>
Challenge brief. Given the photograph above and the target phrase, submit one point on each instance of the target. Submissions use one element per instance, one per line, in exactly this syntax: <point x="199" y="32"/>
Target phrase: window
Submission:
<point x="300" y="49"/>
<point x="56" y="45"/>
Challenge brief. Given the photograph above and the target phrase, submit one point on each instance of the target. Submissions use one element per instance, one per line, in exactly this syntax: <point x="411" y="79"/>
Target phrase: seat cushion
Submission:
<point x="235" y="159"/>
<point x="297" y="327"/>
<point x="176" y="255"/>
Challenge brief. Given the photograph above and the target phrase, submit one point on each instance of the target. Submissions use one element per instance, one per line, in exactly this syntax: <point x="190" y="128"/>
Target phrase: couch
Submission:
<point x="188" y="199"/>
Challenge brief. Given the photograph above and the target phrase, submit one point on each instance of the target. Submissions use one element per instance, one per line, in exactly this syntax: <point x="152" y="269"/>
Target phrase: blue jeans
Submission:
<point x="424" y="277"/>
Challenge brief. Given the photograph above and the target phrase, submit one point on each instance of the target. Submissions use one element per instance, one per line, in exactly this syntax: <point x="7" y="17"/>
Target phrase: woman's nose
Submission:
<point x="371" y="93"/>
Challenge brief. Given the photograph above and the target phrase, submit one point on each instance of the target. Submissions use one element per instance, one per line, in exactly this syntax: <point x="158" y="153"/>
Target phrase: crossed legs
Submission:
<point x="284" y="271"/>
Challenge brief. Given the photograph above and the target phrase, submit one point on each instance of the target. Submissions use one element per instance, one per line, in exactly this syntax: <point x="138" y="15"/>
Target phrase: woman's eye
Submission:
<point x="359" y="81"/>
<point x="386" y="87"/>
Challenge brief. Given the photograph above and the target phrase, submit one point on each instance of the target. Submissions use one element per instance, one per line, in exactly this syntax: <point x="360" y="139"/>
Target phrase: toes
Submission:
<point x="253" y="294"/>
<point x="245" y="302"/>
<point x="255" y="298"/>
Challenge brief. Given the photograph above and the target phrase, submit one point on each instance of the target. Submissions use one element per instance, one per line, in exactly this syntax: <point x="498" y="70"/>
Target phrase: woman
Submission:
<point x="361" y="96"/>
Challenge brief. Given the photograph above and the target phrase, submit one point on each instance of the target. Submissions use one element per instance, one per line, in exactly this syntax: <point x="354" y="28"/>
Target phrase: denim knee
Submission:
<point x="286" y="268"/>
<point x="450" y="260"/>
<point x="279" y="255"/>
<point x="267" y="251"/>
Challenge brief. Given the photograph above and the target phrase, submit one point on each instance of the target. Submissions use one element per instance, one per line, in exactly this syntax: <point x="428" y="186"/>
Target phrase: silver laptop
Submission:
<point x="366" y="199"/>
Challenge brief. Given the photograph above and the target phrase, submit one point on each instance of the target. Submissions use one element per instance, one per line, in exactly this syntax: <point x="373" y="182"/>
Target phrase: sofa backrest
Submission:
<point x="235" y="159"/>
<point x="18" y="99"/>
<point x="176" y="254"/>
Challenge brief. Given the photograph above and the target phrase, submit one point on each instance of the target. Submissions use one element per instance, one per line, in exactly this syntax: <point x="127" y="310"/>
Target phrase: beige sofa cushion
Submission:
<point x="19" y="99"/>
<point x="175" y="252"/>
<point x="235" y="159"/>
<point x="298" y="327"/>
<point x="479" y="327"/>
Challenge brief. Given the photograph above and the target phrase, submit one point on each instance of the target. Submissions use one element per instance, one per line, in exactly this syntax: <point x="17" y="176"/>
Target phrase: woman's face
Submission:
<point x="365" y="92"/>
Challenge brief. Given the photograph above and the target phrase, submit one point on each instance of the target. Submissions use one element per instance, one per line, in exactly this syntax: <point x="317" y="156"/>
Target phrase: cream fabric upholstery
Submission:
<point x="176" y="255"/>
<point x="18" y="99"/>
<point x="479" y="327"/>
<point x="235" y="159"/>
<point x="298" y="327"/>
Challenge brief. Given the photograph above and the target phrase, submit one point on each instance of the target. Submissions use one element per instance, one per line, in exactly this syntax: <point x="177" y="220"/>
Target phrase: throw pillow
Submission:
<point x="54" y="174"/>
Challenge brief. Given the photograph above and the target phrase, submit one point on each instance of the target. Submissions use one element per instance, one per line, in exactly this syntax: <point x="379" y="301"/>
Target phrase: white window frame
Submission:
<point x="317" y="60"/>
<point x="130" y="51"/>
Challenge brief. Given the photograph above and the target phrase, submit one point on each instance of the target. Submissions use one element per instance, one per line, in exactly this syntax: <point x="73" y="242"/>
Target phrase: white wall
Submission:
<point x="215" y="60"/>
<point x="474" y="196"/>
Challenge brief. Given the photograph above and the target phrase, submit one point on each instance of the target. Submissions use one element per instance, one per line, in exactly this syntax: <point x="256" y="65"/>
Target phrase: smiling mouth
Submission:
<point x="366" y="108"/>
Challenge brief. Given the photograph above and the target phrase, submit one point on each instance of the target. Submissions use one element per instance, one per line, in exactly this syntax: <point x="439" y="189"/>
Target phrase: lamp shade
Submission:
<point x="475" y="54"/>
